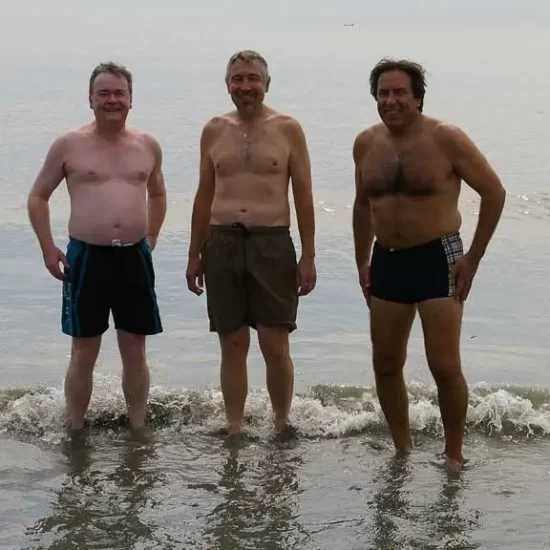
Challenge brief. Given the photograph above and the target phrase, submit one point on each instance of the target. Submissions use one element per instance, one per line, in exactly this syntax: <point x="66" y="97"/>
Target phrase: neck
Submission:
<point x="408" y="129"/>
<point x="109" y="130"/>
<point x="251" y="116"/>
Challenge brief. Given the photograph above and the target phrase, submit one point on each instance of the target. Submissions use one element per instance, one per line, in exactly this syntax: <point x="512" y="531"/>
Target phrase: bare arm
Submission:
<point x="156" y="197"/>
<point x="200" y="219"/>
<point x="50" y="176"/>
<point x="474" y="169"/>
<point x="363" y="230"/>
<point x="300" y="174"/>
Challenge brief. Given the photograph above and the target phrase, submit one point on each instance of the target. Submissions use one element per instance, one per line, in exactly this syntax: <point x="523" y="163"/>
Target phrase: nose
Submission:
<point x="390" y="98"/>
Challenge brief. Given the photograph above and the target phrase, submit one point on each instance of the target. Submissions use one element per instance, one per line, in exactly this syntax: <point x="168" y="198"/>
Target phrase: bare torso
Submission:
<point x="411" y="185"/>
<point x="251" y="164"/>
<point x="107" y="183"/>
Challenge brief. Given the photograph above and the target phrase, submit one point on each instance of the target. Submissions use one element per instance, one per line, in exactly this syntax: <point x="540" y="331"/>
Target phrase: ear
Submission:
<point x="90" y="100"/>
<point x="268" y="82"/>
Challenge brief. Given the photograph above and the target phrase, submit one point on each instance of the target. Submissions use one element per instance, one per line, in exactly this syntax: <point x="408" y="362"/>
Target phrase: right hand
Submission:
<point x="53" y="258"/>
<point x="364" y="281"/>
<point x="195" y="276"/>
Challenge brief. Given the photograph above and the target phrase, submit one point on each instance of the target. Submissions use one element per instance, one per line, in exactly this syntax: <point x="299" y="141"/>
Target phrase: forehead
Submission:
<point x="252" y="67"/>
<point x="392" y="80"/>
<point x="108" y="81"/>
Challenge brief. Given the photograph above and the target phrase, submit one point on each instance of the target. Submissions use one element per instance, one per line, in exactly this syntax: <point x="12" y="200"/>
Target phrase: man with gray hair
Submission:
<point x="241" y="246"/>
<point x="118" y="204"/>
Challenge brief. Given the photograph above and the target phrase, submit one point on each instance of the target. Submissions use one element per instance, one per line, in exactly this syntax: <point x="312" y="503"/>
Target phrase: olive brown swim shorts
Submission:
<point x="250" y="277"/>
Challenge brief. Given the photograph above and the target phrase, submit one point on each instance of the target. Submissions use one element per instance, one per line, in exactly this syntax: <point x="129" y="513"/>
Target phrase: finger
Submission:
<point x="64" y="260"/>
<point x="305" y="289"/>
<point x="191" y="283"/>
<point x="463" y="287"/>
<point x="201" y="280"/>
<point x="466" y="292"/>
<point x="56" y="272"/>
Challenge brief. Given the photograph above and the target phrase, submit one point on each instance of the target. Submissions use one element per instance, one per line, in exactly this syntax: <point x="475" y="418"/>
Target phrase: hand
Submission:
<point x="463" y="271"/>
<point x="195" y="275"/>
<point x="364" y="282"/>
<point x="53" y="258"/>
<point x="306" y="275"/>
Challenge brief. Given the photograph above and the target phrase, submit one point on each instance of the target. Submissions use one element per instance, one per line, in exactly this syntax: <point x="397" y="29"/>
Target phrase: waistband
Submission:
<point x="115" y="243"/>
<point x="239" y="228"/>
<point x="439" y="241"/>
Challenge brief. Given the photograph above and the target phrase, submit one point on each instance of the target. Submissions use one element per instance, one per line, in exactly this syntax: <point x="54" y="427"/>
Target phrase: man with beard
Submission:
<point x="408" y="172"/>
<point x="240" y="237"/>
<point x="118" y="204"/>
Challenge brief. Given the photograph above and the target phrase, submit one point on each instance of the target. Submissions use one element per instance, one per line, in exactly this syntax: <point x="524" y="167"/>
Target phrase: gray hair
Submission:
<point x="111" y="68"/>
<point x="248" y="56"/>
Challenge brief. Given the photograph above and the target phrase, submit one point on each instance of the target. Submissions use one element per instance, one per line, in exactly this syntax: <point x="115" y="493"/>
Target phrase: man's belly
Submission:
<point x="101" y="222"/>
<point x="249" y="213"/>
<point x="403" y="229"/>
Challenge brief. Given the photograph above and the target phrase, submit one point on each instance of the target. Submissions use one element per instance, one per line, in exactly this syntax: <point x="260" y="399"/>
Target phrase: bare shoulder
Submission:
<point x="217" y="124"/>
<point x="364" y="140"/>
<point x="289" y="126"/>
<point x="61" y="146"/>
<point x="72" y="136"/>
<point x="450" y="137"/>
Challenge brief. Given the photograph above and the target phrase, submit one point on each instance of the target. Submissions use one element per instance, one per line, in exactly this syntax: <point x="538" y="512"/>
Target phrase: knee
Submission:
<point x="387" y="362"/>
<point x="84" y="352"/>
<point x="235" y="344"/>
<point x="274" y="346"/>
<point x="446" y="372"/>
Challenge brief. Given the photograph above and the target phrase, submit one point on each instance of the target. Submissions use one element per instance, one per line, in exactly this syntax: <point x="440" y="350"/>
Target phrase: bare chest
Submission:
<point x="132" y="165"/>
<point x="262" y="152"/>
<point x="418" y="171"/>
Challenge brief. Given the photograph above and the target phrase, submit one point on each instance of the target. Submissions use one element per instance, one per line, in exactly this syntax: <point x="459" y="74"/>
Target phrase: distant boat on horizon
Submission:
<point x="349" y="24"/>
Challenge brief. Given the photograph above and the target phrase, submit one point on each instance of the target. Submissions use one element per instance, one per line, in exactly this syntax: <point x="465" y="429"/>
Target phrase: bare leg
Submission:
<point x="234" y="376"/>
<point x="79" y="380"/>
<point x="441" y="322"/>
<point x="135" y="376"/>
<point x="390" y="329"/>
<point x="274" y="344"/>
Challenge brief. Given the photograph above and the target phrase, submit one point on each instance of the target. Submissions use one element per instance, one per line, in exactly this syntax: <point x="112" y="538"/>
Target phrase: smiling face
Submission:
<point x="397" y="105"/>
<point x="247" y="83"/>
<point x="110" y="98"/>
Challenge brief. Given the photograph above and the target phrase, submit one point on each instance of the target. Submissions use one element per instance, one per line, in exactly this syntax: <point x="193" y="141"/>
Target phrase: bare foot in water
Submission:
<point x="284" y="430"/>
<point x="233" y="428"/>
<point x="452" y="464"/>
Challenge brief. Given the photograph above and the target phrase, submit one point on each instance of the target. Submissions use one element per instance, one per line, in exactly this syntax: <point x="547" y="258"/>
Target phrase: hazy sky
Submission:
<point x="474" y="11"/>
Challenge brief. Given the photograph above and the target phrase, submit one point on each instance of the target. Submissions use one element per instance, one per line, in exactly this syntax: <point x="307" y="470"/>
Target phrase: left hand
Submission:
<point x="464" y="271"/>
<point x="306" y="275"/>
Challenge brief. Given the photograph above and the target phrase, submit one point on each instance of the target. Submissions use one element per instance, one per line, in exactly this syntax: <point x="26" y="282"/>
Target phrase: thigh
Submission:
<point x="390" y="327"/>
<point x="273" y="287"/>
<point x="134" y="300"/>
<point x="442" y="322"/>
<point x="225" y="281"/>
<point x="85" y="302"/>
